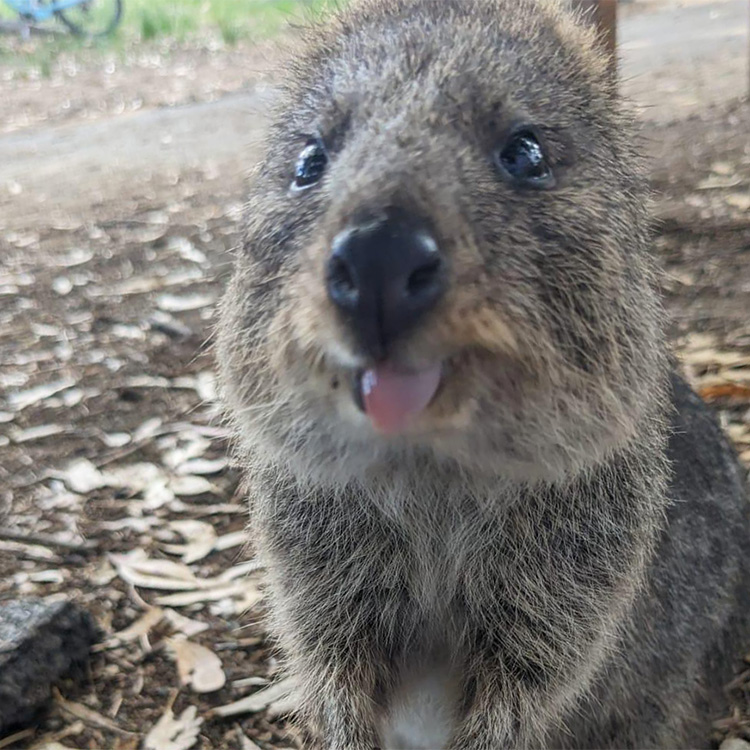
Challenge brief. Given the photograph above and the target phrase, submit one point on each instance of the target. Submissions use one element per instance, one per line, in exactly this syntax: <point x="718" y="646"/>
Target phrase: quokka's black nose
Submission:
<point x="383" y="276"/>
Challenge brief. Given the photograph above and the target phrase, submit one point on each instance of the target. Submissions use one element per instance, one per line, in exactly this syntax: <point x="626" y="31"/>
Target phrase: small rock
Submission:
<point x="39" y="643"/>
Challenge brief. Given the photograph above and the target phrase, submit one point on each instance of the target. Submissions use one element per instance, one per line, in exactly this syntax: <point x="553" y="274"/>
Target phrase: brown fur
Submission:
<point x="514" y="532"/>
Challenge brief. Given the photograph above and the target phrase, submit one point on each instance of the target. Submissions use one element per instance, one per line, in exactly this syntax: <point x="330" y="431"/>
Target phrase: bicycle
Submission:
<point x="82" y="17"/>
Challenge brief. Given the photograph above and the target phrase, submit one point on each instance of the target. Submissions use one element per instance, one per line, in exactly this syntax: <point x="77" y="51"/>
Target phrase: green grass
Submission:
<point x="144" y="21"/>
<point x="231" y="19"/>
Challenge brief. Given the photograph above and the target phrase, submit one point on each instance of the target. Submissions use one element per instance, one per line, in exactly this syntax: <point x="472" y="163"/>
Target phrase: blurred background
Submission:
<point x="122" y="161"/>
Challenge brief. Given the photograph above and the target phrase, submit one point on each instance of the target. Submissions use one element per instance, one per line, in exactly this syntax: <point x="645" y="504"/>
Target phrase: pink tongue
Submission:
<point x="392" y="397"/>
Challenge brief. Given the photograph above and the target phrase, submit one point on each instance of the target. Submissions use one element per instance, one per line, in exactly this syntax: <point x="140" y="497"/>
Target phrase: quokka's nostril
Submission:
<point x="342" y="285"/>
<point x="424" y="279"/>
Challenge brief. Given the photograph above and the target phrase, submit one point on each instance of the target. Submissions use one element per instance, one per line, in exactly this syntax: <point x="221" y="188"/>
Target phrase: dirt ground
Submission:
<point x="121" y="188"/>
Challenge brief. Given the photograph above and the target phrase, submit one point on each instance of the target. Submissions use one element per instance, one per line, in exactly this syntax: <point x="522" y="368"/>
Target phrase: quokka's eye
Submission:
<point x="523" y="159"/>
<point x="310" y="166"/>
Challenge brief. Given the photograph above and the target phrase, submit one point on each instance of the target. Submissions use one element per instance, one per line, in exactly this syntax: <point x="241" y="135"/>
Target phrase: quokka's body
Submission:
<point x="490" y="516"/>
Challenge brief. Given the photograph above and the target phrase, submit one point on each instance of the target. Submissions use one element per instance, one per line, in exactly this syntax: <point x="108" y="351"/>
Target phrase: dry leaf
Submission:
<point x="739" y="200"/>
<point x="727" y="391"/>
<point x="723" y="168"/>
<point x="183" y="624"/>
<point x="233" y="539"/>
<point x="86" y="714"/>
<point x="183" y="303"/>
<point x="245" y="742"/>
<point x="200" y="536"/>
<point x="712" y="357"/>
<point x="174" y="733"/>
<point x="138" y="477"/>
<point x="739" y="433"/>
<point x="163" y="575"/>
<point x="258" y="701"/>
<point x="697" y="340"/>
<point x="51" y="741"/>
<point x="203" y="596"/>
<point x="141" y="627"/>
<point x="718" y="182"/>
<point x="37" y="433"/>
<point x="202" y="466"/>
<point x="246" y="682"/>
<point x="82" y="477"/>
<point x="147" y="430"/>
<point x="23" y="399"/>
<point x="115" y="439"/>
<point x="197" y="666"/>
<point x="188" y="485"/>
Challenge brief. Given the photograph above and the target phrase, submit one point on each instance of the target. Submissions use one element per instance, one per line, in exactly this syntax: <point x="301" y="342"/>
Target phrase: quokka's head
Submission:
<point x="445" y="257"/>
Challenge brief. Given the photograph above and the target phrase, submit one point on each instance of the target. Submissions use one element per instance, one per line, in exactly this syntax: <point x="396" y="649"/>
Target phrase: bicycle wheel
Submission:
<point x="92" y="17"/>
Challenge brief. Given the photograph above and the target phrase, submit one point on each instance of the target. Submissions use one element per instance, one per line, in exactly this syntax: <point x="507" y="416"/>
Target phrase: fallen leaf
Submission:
<point x="183" y="624"/>
<point x="723" y="168"/>
<point x="183" y="303"/>
<point x="197" y="666"/>
<point x="739" y="433"/>
<point x="86" y="714"/>
<point x="141" y="627"/>
<point x="82" y="477"/>
<point x="697" y="340"/>
<point x="52" y="740"/>
<point x="115" y="439"/>
<point x="203" y="596"/>
<point x="62" y="285"/>
<point x="258" y="701"/>
<point x="729" y="391"/>
<point x="23" y="399"/>
<point x="190" y="485"/>
<point x="739" y="200"/>
<point x="712" y="357"/>
<point x="249" y="682"/>
<point x="76" y="257"/>
<point x="245" y="742"/>
<point x="202" y="466"/>
<point x="146" y="381"/>
<point x="164" y="575"/>
<point x="48" y="576"/>
<point x="233" y="539"/>
<point x="147" y="430"/>
<point x="718" y="182"/>
<point x="195" y="446"/>
<point x="174" y="733"/>
<point x="200" y="537"/>
<point x="37" y="433"/>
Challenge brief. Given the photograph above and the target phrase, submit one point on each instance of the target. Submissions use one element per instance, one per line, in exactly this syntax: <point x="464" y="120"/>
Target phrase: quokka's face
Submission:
<point x="445" y="252"/>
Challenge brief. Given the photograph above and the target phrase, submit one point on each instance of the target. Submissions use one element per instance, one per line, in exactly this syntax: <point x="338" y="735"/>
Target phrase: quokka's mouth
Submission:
<point x="393" y="397"/>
